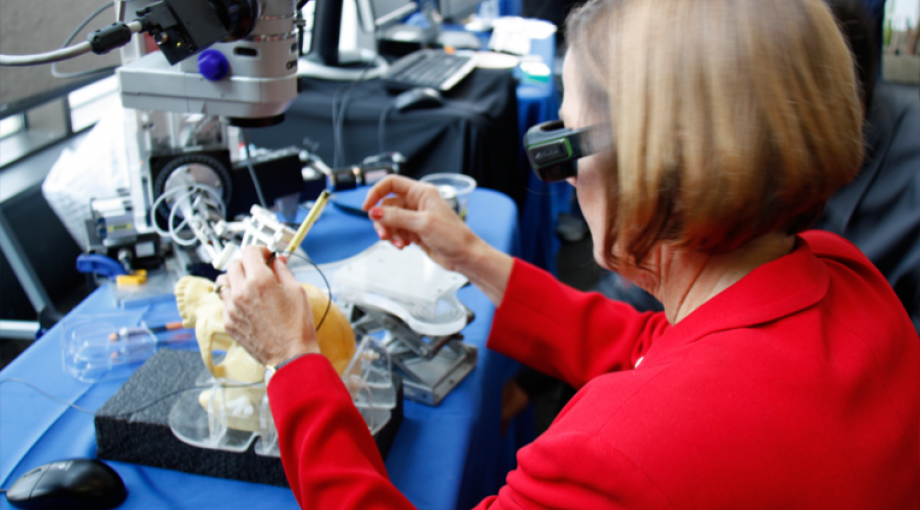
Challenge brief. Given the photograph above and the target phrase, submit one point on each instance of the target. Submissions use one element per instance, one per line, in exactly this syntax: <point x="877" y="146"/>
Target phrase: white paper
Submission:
<point x="97" y="169"/>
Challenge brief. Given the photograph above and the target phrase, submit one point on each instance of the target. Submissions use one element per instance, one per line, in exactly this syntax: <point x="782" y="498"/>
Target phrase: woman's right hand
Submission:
<point x="416" y="213"/>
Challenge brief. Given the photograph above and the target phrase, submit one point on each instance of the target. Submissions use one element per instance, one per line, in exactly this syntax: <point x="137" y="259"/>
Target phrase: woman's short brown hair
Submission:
<point x="731" y="118"/>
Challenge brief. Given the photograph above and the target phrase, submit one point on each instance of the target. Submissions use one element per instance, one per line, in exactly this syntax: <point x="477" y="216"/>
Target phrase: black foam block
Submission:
<point x="133" y="426"/>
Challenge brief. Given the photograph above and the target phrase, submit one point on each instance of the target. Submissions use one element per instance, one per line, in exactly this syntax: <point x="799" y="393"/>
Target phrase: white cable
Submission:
<point x="187" y="217"/>
<point x="173" y="229"/>
<point x="57" y="55"/>
<point x="189" y="220"/>
<point x="252" y="171"/>
<point x="70" y="38"/>
<point x="156" y="205"/>
<point x="186" y="194"/>
<point x="196" y="187"/>
<point x="46" y="58"/>
<point x="135" y="26"/>
<point x="191" y="241"/>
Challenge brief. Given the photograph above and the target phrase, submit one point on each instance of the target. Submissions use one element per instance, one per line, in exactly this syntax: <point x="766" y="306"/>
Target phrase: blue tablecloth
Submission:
<point x="510" y="7"/>
<point x="443" y="457"/>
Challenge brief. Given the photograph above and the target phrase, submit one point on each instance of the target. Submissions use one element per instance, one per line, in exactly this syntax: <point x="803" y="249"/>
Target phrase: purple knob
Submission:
<point x="213" y="65"/>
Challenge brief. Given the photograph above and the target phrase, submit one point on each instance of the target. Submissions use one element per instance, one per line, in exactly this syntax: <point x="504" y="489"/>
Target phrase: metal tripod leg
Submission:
<point x="24" y="271"/>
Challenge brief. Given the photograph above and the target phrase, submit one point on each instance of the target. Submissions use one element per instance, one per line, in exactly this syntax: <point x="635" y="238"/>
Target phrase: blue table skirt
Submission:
<point x="545" y="201"/>
<point x="444" y="457"/>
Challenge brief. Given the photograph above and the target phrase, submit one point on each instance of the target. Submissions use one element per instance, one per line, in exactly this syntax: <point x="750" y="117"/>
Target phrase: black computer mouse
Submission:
<point x="419" y="97"/>
<point x="75" y="484"/>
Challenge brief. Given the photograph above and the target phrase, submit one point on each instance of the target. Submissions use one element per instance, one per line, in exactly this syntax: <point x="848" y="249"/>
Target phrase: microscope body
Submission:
<point x="251" y="80"/>
<point x="223" y="64"/>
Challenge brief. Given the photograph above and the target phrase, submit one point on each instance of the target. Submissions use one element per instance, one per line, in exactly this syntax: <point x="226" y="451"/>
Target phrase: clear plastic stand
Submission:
<point x="227" y="415"/>
<point x="214" y="426"/>
<point x="267" y="444"/>
<point x="369" y="379"/>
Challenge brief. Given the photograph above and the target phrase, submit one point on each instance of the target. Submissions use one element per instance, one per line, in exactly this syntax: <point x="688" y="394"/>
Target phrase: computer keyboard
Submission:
<point x="428" y="68"/>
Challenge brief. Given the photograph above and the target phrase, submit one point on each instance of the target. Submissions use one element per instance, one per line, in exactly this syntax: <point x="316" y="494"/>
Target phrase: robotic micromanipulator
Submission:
<point x="222" y="65"/>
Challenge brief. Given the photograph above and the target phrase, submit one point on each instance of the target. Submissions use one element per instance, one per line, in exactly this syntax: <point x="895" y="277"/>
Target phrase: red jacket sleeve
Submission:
<point x="570" y="335"/>
<point x="331" y="461"/>
<point x="329" y="455"/>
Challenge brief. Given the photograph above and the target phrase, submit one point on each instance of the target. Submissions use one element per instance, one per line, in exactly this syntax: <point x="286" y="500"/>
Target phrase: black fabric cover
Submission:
<point x="879" y="211"/>
<point x="144" y="437"/>
<point x="475" y="132"/>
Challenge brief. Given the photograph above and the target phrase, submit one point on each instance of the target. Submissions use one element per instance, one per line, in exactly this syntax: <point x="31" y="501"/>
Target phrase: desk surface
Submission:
<point x="445" y="457"/>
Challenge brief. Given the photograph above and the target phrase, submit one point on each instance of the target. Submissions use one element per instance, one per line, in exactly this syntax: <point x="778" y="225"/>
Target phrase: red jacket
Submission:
<point x="797" y="387"/>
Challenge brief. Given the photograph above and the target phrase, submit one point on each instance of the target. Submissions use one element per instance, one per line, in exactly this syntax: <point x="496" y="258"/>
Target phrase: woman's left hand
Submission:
<point x="266" y="309"/>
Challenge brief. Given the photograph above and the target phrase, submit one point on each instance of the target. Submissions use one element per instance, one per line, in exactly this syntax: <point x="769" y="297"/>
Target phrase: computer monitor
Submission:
<point x="457" y="10"/>
<point x="391" y="11"/>
<point x="326" y="61"/>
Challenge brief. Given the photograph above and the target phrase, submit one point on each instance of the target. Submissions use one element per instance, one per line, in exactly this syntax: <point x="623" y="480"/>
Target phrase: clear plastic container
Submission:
<point x="110" y="345"/>
<point x="114" y="344"/>
<point x="454" y="188"/>
<point x="159" y="287"/>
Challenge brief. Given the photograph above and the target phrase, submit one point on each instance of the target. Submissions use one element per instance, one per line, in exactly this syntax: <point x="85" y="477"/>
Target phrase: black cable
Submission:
<point x="335" y="133"/>
<point x="340" y="126"/>
<point x="164" y="397"/>
<point x="70" y="38"/>
<point x="43" y="392"/>
<point x="252" y="171"/>
<point x="341" y="117"/>
<point x="338" y="118"/>
<point x="381" y="133"/>
<point x="328" y="289"/>
<point x="300" y="34"/>
<point x="157" y="401"/>
<point x="139" y="409"/>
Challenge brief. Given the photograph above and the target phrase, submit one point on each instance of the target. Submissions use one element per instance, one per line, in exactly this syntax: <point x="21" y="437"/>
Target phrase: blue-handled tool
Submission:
<point x="101" y="265"/>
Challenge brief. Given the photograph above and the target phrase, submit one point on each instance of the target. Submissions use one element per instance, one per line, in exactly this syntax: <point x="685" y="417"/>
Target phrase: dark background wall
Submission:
<point x="36" y="26"/>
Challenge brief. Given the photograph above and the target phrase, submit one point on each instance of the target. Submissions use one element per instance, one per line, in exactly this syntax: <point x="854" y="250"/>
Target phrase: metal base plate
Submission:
<point x="428" y="381"/>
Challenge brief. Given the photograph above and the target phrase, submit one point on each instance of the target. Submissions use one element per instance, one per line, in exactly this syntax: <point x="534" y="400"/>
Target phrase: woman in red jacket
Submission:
<point x="783" y="372"/>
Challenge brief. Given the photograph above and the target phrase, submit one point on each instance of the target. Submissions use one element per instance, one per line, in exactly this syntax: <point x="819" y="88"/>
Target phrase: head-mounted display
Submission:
<point x="553" y="149"/>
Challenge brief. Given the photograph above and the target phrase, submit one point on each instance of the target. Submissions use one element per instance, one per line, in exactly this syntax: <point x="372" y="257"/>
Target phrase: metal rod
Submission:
<point x="397" y="14"/>
<point x="18" y="330"/>
<point x="23" y="270"/>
